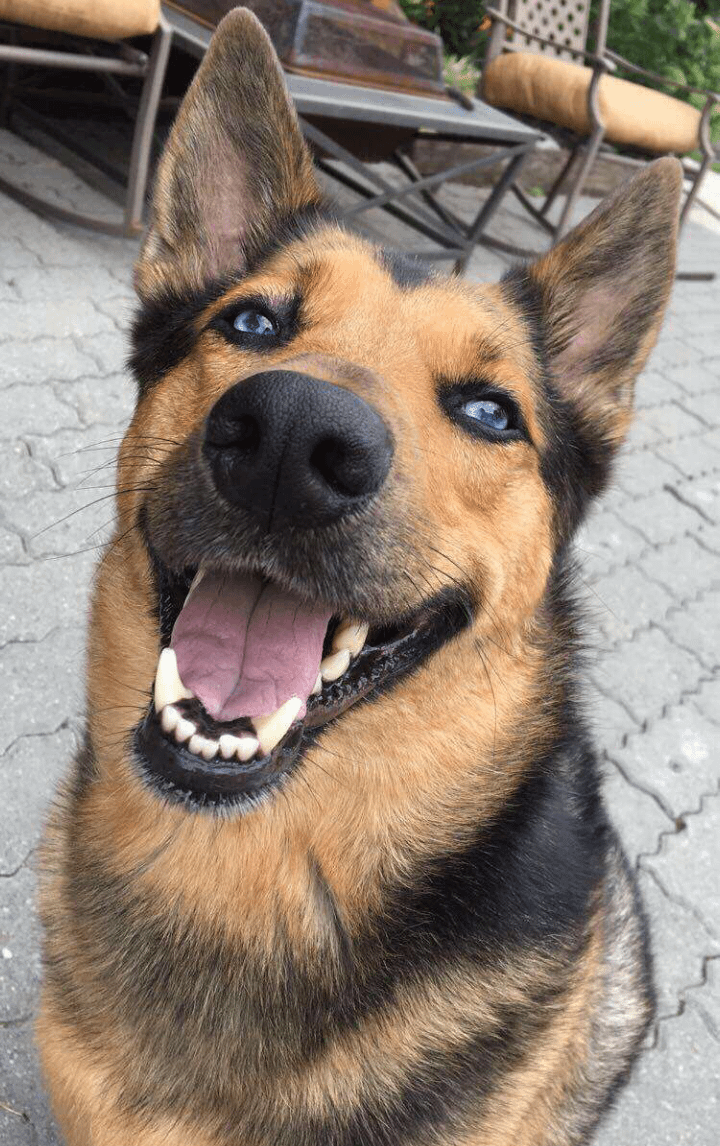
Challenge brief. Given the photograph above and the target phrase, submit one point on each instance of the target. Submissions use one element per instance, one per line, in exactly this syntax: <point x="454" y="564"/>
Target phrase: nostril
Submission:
<point x="240" y="434"/>
<point x="344" y="466"/>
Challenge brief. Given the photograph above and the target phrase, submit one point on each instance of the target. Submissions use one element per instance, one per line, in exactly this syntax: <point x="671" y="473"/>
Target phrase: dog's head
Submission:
<point x="348" y="480"/>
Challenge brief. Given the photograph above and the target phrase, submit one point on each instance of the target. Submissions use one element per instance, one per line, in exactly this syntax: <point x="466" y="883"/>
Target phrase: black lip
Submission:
<point x="388" y="657"/>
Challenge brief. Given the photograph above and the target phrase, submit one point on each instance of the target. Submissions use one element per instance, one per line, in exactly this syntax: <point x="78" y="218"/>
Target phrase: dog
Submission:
<point x="332" y="866"/>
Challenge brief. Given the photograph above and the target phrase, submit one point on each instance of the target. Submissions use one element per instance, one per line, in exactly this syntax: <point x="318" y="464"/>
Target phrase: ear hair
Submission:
<point x="603" y="292"/>
<point x="234" y="166"/>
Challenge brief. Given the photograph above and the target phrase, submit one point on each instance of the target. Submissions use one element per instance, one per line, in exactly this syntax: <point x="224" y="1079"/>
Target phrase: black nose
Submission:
<point x="292" y="449"/>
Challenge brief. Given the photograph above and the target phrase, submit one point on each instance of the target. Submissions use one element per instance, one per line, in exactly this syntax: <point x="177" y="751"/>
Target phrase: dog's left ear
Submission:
<point x="234" y="168"/>
<point x="597" y="300"/>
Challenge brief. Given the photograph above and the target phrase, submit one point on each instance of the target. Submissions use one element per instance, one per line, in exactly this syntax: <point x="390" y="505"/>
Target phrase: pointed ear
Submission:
<point x="598" y="299"/>
<point x="235" y="164"/>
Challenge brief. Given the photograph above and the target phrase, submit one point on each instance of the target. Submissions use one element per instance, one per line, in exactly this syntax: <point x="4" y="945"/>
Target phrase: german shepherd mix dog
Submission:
<point x="333" y="868"/>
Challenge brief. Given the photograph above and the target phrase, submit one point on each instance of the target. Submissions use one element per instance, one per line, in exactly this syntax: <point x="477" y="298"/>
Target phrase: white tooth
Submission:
<point x="184" y="729"/>
<point x="271" y="729"/>
<point x="196" y="744"/>
<point x="208" y="748"/>
<point x="168" y="686"/>
<point x="169" y="718"/>
<point x="247" y="747"/>
<point x="318" y="685"/>
<point x="350" y="635"/>
<point x="334" y="666"/>
<point x="195" y="582"/>
<point x="228" y="745"/>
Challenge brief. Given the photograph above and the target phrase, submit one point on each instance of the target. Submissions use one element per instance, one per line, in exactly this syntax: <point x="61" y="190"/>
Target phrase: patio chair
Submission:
<point x="88" y="36"/>
<point x="531" y="69"/>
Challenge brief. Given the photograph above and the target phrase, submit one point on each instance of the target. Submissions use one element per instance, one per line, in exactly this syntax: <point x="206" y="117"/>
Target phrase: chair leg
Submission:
<point x="555" y="189"/>
<point x="693" y="192"/>
<point x="145" y="129"/>
<point x="488" y="209"/>
<point x="588" y="158"/>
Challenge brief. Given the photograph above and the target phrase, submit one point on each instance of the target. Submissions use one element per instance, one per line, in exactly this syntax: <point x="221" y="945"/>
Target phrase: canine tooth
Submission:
<point x="184" y="729"/>
<point x="271" y="729"/>
<point x="247" y="747"/>
<point x="317" y="689"/>
<point x="168" y="686"/>
<point x="169" y="718"/>
<point x="334" y="666"/>
<point x="350" y="635"/>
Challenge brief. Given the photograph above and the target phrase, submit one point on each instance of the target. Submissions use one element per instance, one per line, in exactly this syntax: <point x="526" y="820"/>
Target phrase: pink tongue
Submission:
<point x="244" y="646"/>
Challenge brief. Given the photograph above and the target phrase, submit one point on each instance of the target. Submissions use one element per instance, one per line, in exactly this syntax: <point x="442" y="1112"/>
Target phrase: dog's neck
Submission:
<point x="409" y="776"/>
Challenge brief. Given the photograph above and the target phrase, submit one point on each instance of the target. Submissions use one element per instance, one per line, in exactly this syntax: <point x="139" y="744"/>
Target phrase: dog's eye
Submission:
<point x="488" y="413"/>
<point x="254" y="322"/>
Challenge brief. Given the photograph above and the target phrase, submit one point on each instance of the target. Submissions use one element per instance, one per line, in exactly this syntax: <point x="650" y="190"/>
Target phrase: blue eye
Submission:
<point x="254" y="322"/>
<point x="487" y="412"/>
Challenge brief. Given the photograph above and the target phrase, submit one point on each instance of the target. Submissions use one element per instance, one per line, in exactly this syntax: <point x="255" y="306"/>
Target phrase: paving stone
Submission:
<point x="41" y="684"/>
<point x="680" y="946"/>
<point x="45" y="360"/>
<point x="645" y="472"/>
<point x="13" y="255"/>
<point x="28" y="1119"/>
<point x="674" y="1093"/>
<point x="610" y="722"/>
<point x="707" y="700"/>
<point x="706" y="998"/>
<point x="695" y="379"/>
<point x="19" y="946"/>
<point x="641" y="434"/>
<point x="707" y="407"/>
<point x="80" y="457"/>
<point x="11" y="547"/>
<point x="604" y="541"/>
<point x="638" y="817"/>
<point x="58" y="319"/>
<point x="63" y="522"/>
<point x="660" y="517"/>
<point x="684" y="566"/>
<point x="672" y="352"/>
<point x="29" y="773"/>
<point x="34" y="410"/>
<point x="647" y="674"/>
<point x="692" y="457"/>
<point x="654" y="389"/>
<point x="107" y="399"/>
<point x="688" y="865"/>
<point x="672" y="421"/>
<point x="19" y="472"/>
<point x="45" y="594"/>
<point x="625" y="601"/>
<point x="703" y="495"/>
<point x="39" y="284"/>
<point x="676" y="759"/>
<point x="110" y="351"/>
<point x="697" y="627"/>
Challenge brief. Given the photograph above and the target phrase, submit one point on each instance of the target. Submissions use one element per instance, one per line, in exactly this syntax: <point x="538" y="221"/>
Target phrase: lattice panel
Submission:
<point x="565" y="22"/>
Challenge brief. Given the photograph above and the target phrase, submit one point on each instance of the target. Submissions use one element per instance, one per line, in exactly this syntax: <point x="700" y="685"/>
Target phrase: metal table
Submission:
<point x="414" y="200"/>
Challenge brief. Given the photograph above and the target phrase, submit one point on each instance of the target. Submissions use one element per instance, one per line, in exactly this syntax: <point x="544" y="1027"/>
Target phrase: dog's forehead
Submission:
<point x="458" y="326"/>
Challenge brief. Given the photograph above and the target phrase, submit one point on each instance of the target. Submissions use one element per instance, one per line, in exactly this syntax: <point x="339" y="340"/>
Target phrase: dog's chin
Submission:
<point x="221" y="764"/>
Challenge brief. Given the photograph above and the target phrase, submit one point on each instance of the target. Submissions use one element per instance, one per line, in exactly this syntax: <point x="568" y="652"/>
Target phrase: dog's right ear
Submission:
<point x="234" y="167"/>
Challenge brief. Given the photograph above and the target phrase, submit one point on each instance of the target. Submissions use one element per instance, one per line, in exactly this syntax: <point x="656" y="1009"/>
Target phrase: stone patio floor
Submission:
<point x="651" y="563"/>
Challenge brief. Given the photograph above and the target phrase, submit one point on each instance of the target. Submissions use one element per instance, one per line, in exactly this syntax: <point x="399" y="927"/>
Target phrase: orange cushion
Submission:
<point x="97" y="19"/>
<point x="555" y="91"/>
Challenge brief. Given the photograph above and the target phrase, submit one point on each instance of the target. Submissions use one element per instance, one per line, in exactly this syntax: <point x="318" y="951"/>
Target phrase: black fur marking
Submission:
<point x="575" y="464"/>
<point x="406" y="271"/>
<point x="163" y="332"/>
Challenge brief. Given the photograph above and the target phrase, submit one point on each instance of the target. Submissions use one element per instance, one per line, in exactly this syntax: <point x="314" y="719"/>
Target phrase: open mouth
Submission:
<point x="249" y="673"/>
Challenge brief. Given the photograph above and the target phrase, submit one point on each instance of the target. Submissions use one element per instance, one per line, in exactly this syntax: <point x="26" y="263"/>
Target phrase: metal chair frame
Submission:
<point x="584" y="150"/>
<point x="118" y="60"/>
<point x="414" y="202"/>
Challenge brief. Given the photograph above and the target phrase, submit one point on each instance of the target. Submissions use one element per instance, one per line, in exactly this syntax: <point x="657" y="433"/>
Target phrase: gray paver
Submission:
<point x="649" y="556"/>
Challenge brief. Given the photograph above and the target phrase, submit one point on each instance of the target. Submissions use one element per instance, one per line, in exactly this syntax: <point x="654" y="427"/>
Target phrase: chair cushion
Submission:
<point x="97" y="19"/>
<point x="556" y="91"/>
